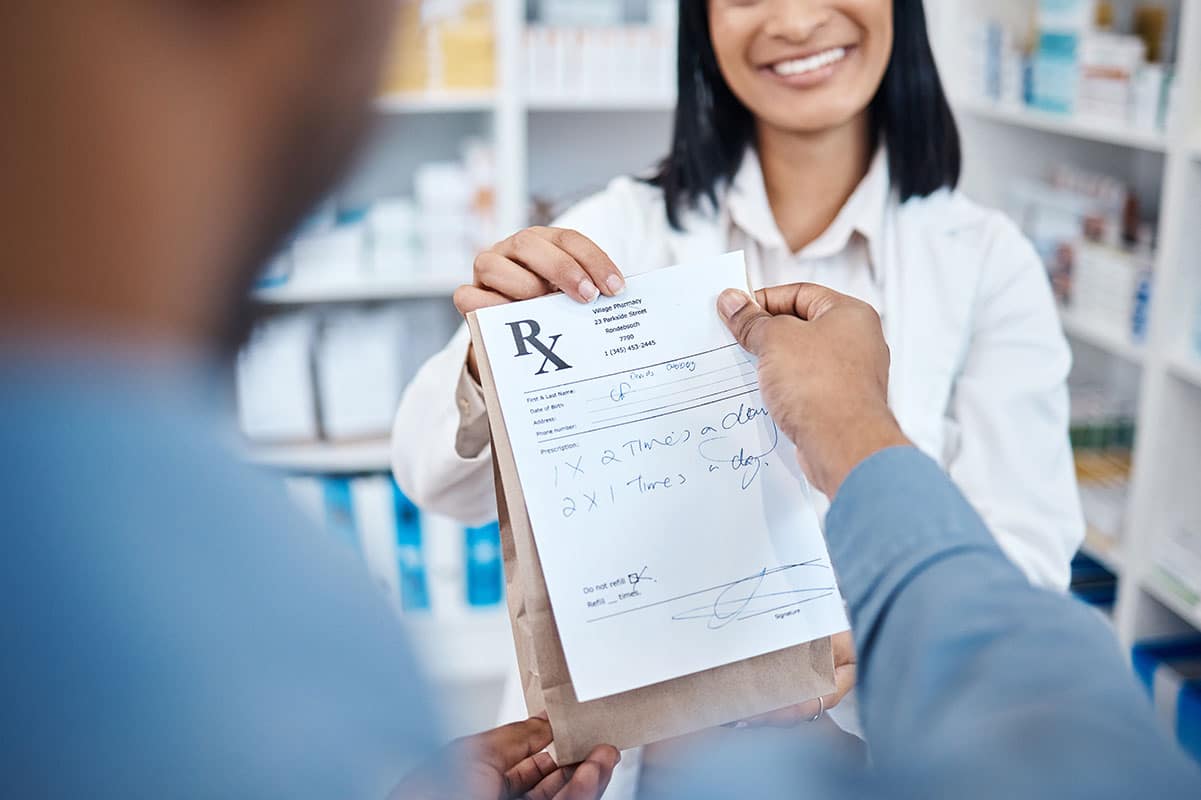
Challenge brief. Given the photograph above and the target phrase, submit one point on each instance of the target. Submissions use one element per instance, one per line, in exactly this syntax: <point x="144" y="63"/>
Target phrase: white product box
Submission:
<point x="1104" y="284"/>
<point x="1149" y="97"/>
<point x="443" y="187"/>
<point x="331" y="257"/>
<point x="360" y="361"/>
<point x="392" y="230"/>
<point x="276" y="401"/>
<point x="445" y="543"/>
<point x="1067" y="16"/>
<point x="375" y="514"/>
<point x="582" y="12"/>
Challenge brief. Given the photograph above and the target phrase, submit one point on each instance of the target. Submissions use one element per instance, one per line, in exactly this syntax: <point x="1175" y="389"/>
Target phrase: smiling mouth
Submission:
<point x="813" y="63"/>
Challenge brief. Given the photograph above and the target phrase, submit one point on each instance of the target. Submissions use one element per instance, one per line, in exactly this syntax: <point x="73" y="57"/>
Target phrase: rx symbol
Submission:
<point x="526" y="335"/>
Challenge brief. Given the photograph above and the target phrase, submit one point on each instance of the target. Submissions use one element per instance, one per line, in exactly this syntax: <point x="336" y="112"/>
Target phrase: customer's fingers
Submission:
<point x="529" y="774"/>
<point x="505" y="747"/>
<point x="805" y="300"/>
<point x="595" y="261"/>
<point x="590" y="779"/>
<point x="745" y="319"/>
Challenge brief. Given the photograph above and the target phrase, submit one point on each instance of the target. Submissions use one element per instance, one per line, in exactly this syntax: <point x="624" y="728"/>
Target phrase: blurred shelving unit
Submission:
<point x="1107" y="336"/>
<point x="569" y="103"/>
<point x="1157" y="587"/>
<point x="1187" y="368"/>
<point x="1007" y="142"/>
<point x="1063" y="125"/>
<point x="324" y="458"/>
<point x="436" y="102"/>
<point x="361" y="290"/>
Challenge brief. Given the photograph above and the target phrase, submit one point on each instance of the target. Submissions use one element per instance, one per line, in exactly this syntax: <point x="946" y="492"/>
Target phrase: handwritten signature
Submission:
<point x="744" y="598"/>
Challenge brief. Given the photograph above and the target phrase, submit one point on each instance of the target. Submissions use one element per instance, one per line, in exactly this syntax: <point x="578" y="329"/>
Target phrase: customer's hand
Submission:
<point x="509" y="763"/>
<point x="536" y="262"/>
<point x="823" y="372"/>
<point x="844" y="681"/>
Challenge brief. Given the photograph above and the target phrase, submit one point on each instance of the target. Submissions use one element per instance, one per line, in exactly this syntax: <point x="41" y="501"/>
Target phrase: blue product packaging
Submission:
<point x="485" y="573"/>
<point x="410" y="559"/>
<point x="1140" y="323"/>
<point x="1170" y="670"/>
<point x="339" y="511"/>
<point x="1056" y="71"/>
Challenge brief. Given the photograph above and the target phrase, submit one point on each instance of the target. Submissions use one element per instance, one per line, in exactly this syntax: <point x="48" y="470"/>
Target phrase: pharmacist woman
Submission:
<point x="814" y="135"/>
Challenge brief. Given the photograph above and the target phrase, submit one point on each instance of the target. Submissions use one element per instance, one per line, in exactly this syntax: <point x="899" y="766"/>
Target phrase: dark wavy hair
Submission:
<point x="713" y="129"/>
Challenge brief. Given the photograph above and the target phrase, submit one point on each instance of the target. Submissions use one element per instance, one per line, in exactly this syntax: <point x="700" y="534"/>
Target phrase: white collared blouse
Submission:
<point x="980" y="362"/>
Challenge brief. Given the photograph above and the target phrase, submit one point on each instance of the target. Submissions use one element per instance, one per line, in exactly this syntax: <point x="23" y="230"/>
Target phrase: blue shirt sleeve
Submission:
<point x="973" y="682"/>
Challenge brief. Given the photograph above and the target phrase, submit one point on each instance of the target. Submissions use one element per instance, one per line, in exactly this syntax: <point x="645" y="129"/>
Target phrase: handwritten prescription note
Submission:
<point x="675" y="528"/>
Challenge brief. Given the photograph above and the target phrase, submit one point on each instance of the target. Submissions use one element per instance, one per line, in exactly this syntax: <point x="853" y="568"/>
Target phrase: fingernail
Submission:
<point x="543" y="715"/>
<point x="616" y="285"/>
<point x="588" y="290"/>
<point x="731" y="302"/>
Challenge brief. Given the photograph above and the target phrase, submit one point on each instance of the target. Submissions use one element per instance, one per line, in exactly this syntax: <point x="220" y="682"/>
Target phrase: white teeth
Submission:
<point x="814" y="62"/>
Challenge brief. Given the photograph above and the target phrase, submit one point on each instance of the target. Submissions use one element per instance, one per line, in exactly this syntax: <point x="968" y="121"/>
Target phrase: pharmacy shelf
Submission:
<point x="437" y="102"/>
<point x="357" y="290"/>
<point x="324" y="458"/>
<point x="590" y="102"/>
<point x="475" y="647"/>
<point x="1187" y="368"/>
<point x="1111" y="338"/>
<point x="1103" y="550"/>
<point x="1096" y="130"/>
<point x="1155" y="586"/>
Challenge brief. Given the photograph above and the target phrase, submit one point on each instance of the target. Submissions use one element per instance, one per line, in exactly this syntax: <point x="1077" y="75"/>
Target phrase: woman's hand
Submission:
<point x="844" y="680"/>
<point x="536" y="262"/>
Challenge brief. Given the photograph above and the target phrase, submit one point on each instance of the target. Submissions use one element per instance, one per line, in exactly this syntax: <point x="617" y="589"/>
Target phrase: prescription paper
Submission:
<point x="675" y="530"/>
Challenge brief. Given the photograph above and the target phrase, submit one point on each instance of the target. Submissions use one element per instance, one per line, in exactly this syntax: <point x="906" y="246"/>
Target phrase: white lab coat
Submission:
<point x="979" y="362"/>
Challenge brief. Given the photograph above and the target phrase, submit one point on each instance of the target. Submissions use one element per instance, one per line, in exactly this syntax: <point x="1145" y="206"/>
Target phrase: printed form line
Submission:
<point x="622" y="405"/>
<point x="753" y="385"/>
<point x="608" y="398"/>
<point x="645" y="419"/>
<point x="632" y="369"/>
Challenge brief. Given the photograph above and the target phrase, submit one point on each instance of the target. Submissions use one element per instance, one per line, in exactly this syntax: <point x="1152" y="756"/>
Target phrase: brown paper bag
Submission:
<point x="642" y="716"/>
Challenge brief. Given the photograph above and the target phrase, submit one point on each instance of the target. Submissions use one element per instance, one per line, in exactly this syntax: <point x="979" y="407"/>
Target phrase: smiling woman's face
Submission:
<point x="804" y="66"/>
